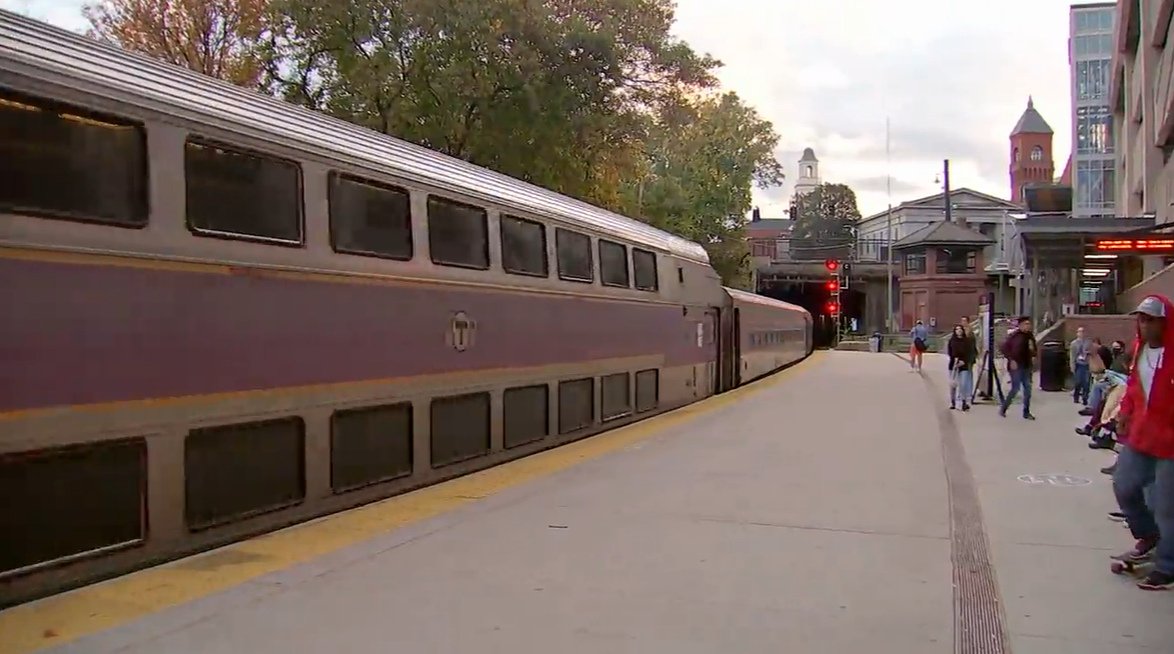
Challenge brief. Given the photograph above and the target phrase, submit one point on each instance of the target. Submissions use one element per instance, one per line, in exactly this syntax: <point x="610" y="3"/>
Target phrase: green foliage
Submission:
<point x="826" y="214"/>
<point x="591" y="98"/>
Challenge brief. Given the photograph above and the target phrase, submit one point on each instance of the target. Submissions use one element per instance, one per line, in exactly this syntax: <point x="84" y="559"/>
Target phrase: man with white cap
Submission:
<point x="1145" y="426"/>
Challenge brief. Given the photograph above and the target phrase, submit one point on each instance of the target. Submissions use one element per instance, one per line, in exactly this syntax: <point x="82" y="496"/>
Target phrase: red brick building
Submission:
<point x="942" y="276"/>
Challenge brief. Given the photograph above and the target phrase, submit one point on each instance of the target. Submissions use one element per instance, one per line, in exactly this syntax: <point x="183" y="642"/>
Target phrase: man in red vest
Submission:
<point x="1145" y="466"/>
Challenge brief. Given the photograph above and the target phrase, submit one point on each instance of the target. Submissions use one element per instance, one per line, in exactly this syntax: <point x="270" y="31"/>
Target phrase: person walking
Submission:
<point x="920" y="336"/>
<point x="1079" y="351"/>
<point x="1019" y="349"/>
<point x="1145" y="427"/>
<point x="961" y="351"/>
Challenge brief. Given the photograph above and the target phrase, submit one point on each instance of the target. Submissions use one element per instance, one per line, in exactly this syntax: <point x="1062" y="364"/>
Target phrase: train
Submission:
<point x="226" y="314"/>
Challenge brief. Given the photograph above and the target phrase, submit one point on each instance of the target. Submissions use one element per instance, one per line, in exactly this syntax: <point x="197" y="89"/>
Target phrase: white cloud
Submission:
<point x="952" y="77"/>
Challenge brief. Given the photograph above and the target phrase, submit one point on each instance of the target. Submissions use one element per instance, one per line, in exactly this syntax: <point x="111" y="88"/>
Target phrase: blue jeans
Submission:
<point x="964" y="389"/>
<point x="1098" y="393"/>
<point x="1083" y="379"/>
<point x="1020" y="379"/>
<point x="1155" y="518"/>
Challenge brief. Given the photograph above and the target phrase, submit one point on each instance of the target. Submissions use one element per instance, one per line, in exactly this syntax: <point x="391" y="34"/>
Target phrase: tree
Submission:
<point x="825" y="219"/>
<point x="705" y="157"/>
<point x="219" y="38"/>
<point x="554" y="92"/>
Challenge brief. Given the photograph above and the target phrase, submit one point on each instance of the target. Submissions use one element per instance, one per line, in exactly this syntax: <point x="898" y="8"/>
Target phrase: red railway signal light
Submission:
<point x="833" y="308"/>
<point x="833" y="286"/>
<point x="832" y="265"/>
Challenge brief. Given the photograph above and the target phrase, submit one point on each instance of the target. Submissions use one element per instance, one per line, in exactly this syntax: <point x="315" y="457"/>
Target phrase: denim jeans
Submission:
<point x="964" y="386"/>
<point x="1020" y="379"/>
<point x="1083" y="379"/>
<point x="1098" y="393"/>
<point x="1132" y="481"/>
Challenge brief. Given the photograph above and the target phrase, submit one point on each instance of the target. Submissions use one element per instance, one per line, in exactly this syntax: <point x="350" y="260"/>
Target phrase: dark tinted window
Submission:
<point x="370" y="445"/>
<point x="235" y="193"/>
<point x="66" y="163"/>
<point x="526" y="414"/>
<point x="70" y="501"/>
<point x="647" y="390"/>
<point x="233" y="472"/>
<point x="574" y="256"/>
<point x="644" y="269"/>
<point x="523" y="246"/>
<point x="460" y="428"/>
<point x="458" y="234"/>
<point x="370" y="218"/>
<point x="576" y="405"/>
<point x="613" y="264"/>
<point x="615" y="396"/>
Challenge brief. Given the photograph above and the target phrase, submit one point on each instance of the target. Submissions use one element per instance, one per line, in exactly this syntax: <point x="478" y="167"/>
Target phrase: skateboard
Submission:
<point x="1132" y="568"/>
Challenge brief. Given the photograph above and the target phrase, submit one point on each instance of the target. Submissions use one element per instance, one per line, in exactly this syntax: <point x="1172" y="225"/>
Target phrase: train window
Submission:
<point x="370" y="445"/>
<point x="574" y="256"/>
<point x="647" y="390"/>
<point x="236" y="471"/>
<point x="613" y="264"/>
<point x="644" y="269"/>
<point x="523" y="247"/>
<point x="615" y="395"/>
<point x="369" y="218"/>
<point x="576" y="405"/>
<point x="460" y="428"/>
<point x="458" y="234"/>
<point x="71" y="501"/>
<point x="233" y="193"/>
<point x="526" y="414"/>
<point x="60" y="162"/>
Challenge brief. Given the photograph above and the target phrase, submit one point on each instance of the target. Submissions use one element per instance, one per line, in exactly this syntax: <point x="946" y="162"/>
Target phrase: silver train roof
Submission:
<point x="38" y="50"/>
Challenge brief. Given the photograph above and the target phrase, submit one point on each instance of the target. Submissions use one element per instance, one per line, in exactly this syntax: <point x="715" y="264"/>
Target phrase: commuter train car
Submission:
<point x="771" y="334"/>
<point x="225" y="314"/>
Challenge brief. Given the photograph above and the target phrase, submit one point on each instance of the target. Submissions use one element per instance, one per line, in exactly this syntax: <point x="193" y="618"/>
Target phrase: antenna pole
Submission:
<point x="889" y="327"/>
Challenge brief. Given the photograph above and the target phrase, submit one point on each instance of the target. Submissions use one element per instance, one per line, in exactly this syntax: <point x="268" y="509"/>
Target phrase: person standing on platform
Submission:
<point x="920" y="336"/>
<point x="1078" y="352"/>
<point x="961" y="351"/>
<point x="1145" y="427"/>
<point x="1019" y="348"/>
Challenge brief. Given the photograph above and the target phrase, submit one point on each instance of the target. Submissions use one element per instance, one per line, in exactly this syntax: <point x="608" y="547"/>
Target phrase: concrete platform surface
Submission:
<point x="815" y="514"/>
<point x="1051" y="537"/>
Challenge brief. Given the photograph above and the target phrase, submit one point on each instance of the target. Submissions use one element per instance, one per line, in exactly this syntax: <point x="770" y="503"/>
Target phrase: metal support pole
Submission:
<point x="949" y="206"/>
<point x="889" y="326"/>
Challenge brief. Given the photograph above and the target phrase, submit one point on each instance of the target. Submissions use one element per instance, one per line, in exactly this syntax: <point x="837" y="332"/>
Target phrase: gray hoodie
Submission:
<point x="1078" y="351"/>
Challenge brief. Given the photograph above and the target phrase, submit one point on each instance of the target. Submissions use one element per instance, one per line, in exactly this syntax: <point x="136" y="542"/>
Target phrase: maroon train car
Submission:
<point x="225" y="314"/>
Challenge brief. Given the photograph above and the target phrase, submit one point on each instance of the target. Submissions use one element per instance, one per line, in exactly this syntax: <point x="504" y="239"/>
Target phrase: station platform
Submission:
<point x="835" y="507"/>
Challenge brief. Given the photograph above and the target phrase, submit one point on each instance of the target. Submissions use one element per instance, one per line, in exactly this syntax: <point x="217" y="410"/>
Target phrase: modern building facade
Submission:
<point x="1090" y="55"/>
<point x="1142" y="98"/>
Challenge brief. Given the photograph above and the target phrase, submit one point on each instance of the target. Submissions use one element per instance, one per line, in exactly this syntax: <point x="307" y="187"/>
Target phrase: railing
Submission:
<point x="798" y="250"/>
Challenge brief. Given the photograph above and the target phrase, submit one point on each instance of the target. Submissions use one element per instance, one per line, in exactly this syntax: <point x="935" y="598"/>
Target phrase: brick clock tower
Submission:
<point x="1031" y="152"/>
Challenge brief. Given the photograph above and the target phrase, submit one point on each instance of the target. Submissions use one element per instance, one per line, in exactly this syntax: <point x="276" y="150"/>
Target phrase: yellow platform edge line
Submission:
<point x="63" y="618"/>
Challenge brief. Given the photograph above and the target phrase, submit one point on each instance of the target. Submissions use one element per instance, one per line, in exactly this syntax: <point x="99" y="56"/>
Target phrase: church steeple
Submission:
<point x="1031" y="122"/>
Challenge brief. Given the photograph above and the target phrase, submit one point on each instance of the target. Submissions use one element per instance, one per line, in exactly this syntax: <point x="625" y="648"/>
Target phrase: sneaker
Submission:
<point x="1028" y="416"/>
<point x="1143" y="550"/>
<point x="965" y="406"/>
<point x="1109" y="470"/>
<point x="1116" y="516"/>
<point x="1157" y="580"/>
<point x="1087" y="412"/>
<point x="952" y="406"/>
<point x="1084" y="431"/>
<point x="1101" y="444"/>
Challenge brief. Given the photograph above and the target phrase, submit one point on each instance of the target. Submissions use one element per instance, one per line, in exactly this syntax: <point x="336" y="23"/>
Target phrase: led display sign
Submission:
<point x="1137" y="245"/>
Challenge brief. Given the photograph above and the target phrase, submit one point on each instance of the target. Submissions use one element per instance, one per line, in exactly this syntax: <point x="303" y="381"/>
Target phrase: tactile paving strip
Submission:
<point x="980" y="624"/>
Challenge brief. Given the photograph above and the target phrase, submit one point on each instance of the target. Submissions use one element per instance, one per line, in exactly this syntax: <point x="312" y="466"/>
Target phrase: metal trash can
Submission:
<point x="1053" y="366"/>
<point x="876" y="342"/>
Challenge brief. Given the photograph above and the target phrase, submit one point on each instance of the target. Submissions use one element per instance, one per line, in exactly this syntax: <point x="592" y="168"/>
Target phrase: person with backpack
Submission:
<point x="920" y="336"/>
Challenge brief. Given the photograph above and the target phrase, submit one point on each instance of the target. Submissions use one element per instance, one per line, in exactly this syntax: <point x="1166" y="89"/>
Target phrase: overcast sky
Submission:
<point x="951" y="76"/>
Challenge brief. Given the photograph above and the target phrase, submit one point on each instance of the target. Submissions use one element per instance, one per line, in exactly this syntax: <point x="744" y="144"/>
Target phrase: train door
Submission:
<point x="736" y="349"/>
<point x="727" y="362"/>
<point x="713" y="350"/>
